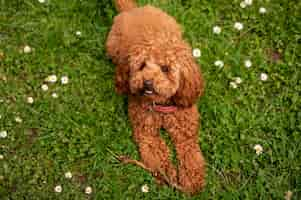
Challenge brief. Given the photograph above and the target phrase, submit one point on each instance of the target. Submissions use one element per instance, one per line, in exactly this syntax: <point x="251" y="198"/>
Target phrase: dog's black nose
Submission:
<point x="148" y="84"/>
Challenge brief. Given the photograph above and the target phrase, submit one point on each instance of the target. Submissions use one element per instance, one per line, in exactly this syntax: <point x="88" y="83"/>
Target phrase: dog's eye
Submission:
<point x="142" y="66"/>
<point x="164" y="68"/>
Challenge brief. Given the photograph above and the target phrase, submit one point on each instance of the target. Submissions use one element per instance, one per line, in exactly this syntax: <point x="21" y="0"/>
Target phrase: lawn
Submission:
<point x="253" y="97"/>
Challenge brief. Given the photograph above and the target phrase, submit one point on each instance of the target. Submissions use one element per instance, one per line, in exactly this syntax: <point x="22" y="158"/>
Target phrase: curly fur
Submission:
<point x="141" y="43"/>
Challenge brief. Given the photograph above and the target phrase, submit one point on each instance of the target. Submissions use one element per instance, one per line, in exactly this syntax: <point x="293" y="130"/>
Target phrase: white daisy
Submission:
<point x="196" y="52"/>
<point x="51" y="79"/>
<point x="0" y="116"/>
<point x="288" y="195"/>
<point x="27" y="49"/>
<point x="18" y="119"/>
<point x="243" y="4"/>
<point x="217" y="30"/>
<point x="88" y="190"/>
<point x="219" y="63"/>
<point x="233" y="85"/>
<point x="262" y="10"/>
<point x="44" y="87"/>
<point x="30" y="100"/>
<point x="58" y="189"/>
<point x="1" y="157"/>
<point x="68" y="175"/>
<point x="144" y="188"/>
<point x="248" y="2"/>
<point x="64" y="79"/>
<point x="258" y="148"/>
<point x="238" y="80"/>
<point x="55" y="95"/>
<point x="263" y="76"/>
<point x="42" y="1"/>
<point x="78" y="33"/>
<point x="239" y="26"/>
<point x="248" y="63"/>
<point x="3" y="134"/>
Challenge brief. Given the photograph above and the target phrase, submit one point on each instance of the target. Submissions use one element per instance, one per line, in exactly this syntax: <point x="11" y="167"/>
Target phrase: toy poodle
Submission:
<point x="156" y="69"/>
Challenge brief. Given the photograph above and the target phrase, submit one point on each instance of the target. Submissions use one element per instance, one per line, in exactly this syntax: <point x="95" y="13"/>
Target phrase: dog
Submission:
<point x="156" y="70"/>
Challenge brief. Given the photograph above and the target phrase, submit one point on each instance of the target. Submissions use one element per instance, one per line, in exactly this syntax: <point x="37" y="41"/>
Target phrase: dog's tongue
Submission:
<point x="164" y="109"/>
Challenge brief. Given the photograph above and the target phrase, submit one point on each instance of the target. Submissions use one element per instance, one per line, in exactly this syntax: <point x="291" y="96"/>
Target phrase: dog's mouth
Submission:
<point x="146" y="92"/>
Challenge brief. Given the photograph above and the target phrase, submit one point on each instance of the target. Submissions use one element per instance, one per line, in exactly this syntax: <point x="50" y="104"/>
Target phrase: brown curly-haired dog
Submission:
<point x="156" y="70"/>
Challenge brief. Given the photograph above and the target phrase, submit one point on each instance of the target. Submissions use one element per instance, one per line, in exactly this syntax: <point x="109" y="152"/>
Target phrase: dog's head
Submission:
<point x="161" y="74"/>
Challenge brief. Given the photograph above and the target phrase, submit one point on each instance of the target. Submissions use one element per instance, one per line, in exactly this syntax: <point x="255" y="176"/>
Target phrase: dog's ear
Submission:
<point x="191" y="82"/>
<point x="122" y="79"/>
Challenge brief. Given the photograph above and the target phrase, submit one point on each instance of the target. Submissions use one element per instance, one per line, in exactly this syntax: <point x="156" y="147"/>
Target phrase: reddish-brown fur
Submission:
<point x="141" y="42"/>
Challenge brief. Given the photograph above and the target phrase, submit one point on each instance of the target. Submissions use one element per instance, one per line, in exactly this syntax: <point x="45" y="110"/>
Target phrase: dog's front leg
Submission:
<point x="155" y="153"/>
<point x="182" y="127"/>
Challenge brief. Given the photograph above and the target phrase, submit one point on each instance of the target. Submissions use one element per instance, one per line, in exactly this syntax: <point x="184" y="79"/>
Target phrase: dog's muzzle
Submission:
<point x="148" y="87"/>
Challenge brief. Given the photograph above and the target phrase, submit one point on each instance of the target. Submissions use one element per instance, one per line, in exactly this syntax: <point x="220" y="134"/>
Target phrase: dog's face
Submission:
<point x="162" y="75"/>
<point x="155" y="79"/>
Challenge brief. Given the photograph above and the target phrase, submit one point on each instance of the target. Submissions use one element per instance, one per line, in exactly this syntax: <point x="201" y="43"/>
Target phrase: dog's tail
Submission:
<point x="125" y="5"/>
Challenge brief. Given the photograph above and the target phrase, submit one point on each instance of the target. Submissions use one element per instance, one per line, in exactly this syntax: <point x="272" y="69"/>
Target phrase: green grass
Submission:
<point x="82" y="129"/>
